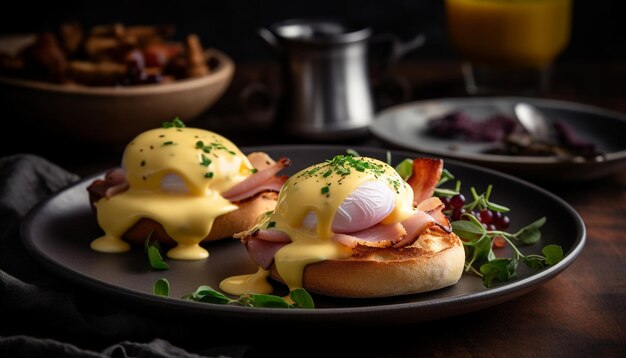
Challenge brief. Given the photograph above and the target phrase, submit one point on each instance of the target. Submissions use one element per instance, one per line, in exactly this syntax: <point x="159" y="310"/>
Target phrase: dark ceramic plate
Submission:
<point x="58" y="232"/>
<point x="405" y="126"/>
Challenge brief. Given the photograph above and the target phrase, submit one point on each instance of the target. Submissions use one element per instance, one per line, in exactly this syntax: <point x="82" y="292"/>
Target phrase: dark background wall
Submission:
<point x="231" y="25"/>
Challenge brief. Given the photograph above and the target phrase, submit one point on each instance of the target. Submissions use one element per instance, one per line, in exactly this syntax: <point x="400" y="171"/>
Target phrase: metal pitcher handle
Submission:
<point x="399" y="48"/>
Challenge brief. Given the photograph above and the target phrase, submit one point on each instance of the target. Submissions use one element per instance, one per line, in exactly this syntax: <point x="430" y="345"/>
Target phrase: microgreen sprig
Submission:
<point x="174" y="123"/>
<point x="153" y="250"/>
<point x="481" y="201"/>
<point x="446" y="176"/>
<point x="481" y="259"/>
<point x="300" y="297"/>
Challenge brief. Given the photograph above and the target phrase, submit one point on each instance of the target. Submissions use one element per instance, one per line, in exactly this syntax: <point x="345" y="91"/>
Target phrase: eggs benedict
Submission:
<point x="352" y="227"/>
<point x="182" y="186"/>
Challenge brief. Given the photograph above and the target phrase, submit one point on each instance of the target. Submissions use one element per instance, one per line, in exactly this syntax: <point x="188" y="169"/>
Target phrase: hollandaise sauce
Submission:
<point x="175" y="177"/>
<point x="321" y="189"/>
<point x="244" y="284"/>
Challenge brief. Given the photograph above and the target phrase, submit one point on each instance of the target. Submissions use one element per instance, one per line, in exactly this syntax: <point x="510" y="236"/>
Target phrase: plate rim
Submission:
<point x="377" y="130"/>
<point x="363" y="314"/>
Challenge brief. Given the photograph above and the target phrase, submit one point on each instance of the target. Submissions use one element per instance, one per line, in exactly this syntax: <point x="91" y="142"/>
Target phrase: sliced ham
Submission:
<point x="441" y="220"/>
<point x="262" y="252"/>
<point x="115" y="176"/>
<point x="263" y="244"/>
<point x="256" y="179"/>
<point x="114" y="182"/>
<point x="116" y="189"/>
<point x="424" y="179"/>
<point x="274" y="183"/>
<point x="376" y="236"/>
<point x="432" y="203"/>
<point x="271" y="236"/>
<point x="414" y="227"/>
<point x="260" y="160"/>
<point x="434" y="207"/>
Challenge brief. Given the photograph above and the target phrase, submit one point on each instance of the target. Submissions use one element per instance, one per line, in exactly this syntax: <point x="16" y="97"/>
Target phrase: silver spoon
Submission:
<point x="533" y="121"/>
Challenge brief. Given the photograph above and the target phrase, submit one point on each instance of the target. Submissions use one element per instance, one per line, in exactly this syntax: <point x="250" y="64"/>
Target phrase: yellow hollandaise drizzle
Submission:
<point x="175" y="177"/>
<point x="245" y="284"/>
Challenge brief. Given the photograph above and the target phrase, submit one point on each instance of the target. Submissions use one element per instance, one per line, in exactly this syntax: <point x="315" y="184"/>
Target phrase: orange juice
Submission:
<point x="509" y="33"/>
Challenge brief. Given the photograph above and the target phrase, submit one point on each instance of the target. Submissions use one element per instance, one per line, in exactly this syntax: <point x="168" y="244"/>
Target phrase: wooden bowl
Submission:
<point x="113" y="114"/>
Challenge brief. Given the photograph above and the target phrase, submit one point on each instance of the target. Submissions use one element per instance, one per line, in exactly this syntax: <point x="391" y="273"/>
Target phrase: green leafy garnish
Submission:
<point x="300" y="297"/>
<point x="161" y="287"/>
<point x="208" y="295"/>
<point x="174" y="123"/>
<point x="405" y="168"/>
<point x="153" y="250"/>
<point x="481" y="259"/>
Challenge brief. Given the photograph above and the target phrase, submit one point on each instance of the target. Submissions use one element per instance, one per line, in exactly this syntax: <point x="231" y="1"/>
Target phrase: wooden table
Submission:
<point x="581" y="312"/>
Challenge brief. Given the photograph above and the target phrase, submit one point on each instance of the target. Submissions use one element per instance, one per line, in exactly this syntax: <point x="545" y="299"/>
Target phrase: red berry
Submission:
<point x="501" y="222"/>
<point x="457" y="213"/>
<point x="457" y="201"/>
<point x="504" y="223"/>
<point x="486" y="216"/>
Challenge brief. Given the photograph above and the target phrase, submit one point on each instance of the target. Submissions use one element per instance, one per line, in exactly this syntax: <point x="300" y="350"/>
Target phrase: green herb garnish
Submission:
<point x="254" y="170"/>
<point x="161" y="287"/>
<point x="325" y="190"/>
<point x="214" y="145"/>
<point x="205" y="161"/>
<point x="208" y="175"/>
<point x="207" y="294"/>
<point x="169" y="142"/>
<point x="271" y="224"/>
<point x="153" y="250"/>
<point x="175" y="123"/>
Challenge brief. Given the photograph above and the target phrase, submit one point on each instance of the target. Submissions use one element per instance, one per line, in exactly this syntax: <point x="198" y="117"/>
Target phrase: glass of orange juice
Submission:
<point x="508" y="46"/>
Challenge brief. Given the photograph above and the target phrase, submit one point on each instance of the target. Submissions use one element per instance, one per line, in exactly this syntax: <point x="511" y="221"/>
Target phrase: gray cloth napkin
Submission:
<point x="41" y="315"/>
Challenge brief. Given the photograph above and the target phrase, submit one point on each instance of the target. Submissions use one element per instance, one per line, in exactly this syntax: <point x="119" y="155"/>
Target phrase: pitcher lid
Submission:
<point x="319" y="31"/>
